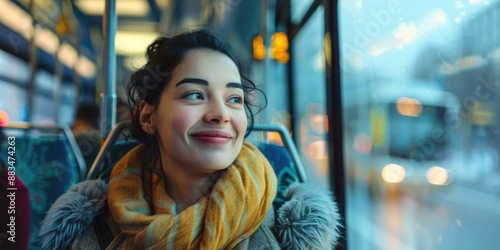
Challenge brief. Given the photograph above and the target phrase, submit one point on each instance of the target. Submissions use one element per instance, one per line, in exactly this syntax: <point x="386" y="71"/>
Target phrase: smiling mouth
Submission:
<point x="212" y="137"/>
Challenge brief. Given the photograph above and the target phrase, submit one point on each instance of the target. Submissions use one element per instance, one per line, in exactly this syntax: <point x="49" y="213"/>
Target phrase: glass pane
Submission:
<point x="310" y="99"/>
<point x="420" y="96"/>
<point x="299" y="8"/>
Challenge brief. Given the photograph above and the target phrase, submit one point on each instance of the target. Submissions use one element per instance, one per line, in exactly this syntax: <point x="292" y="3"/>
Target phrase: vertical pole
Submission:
<point x="334" y="109"/>
<point x="59" y="69"/>
<point x="289" y="71"/>
<point x="32" y="63"/>
<point x="77" y="83"/>
<point x="266" y="27"/>
<point x="75" y="76"/>
<point x="108" y="109"/>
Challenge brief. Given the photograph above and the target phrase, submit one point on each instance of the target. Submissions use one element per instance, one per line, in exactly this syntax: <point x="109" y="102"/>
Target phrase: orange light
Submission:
<point x="279" y="47"/>
<point x="318" y="150"/>
<point x="409" y="106"/>
<point x="279" y="41"/>
<point x="274" y="138"/>
<point x="319" y="123"/>
<point x="4" y="118"/>
<point x="259" y="50"/>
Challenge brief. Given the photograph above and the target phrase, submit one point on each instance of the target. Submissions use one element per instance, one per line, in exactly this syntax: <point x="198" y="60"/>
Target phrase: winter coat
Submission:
<point x="308" y="219"/>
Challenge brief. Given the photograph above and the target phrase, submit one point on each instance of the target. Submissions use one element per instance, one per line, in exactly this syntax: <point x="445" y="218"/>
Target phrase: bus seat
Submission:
<point x="284" y="158"/>
<point x="283" y="166"/>
<point x="48" y="166"/>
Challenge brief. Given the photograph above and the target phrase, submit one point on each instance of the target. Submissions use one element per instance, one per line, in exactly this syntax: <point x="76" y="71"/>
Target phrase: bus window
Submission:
<point x="309" y="100"/>
<point x="420" y="103"/>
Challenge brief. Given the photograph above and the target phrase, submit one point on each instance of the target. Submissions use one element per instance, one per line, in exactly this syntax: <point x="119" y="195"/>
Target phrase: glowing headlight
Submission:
<point x="437" y="176"/>
<point x="393" y="173"/>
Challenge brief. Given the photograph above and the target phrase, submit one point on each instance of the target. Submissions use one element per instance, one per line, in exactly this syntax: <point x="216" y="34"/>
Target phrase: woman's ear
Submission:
<point x="146" y="118"/>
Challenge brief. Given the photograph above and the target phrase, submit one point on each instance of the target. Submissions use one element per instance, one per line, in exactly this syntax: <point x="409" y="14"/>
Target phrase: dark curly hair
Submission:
<point x="163" y="56"/>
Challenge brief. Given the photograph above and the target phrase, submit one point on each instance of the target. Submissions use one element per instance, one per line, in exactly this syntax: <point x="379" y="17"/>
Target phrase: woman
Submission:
<point x="194" y="182"/>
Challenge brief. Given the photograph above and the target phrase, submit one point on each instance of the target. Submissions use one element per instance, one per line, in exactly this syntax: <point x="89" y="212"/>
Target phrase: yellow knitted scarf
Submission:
<point x="234" y="209"/>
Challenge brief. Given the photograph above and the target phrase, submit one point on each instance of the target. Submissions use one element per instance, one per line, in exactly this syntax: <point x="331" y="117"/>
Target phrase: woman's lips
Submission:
<point x="212" y="137"/>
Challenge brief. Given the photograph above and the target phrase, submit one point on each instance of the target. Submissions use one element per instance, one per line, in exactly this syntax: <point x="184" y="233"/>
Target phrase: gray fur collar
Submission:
<point x="308" y="219"/>
<point x="72" y="214"/>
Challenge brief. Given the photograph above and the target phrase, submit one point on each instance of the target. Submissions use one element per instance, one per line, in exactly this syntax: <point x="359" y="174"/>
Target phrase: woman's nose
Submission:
<point x="217" y="113"/>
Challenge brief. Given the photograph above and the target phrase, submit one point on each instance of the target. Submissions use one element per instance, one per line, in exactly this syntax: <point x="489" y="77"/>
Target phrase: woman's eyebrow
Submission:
<point x="192" y="80"/>
<point x="234" y="85"/>
<point x="205" y="83"/>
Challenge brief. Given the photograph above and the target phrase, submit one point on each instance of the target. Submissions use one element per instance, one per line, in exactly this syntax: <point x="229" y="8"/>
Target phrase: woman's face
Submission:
<point x="200" y="119"/>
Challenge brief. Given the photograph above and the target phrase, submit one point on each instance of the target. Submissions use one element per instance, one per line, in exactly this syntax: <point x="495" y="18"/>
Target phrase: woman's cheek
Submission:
<point x="240" y="120"/>
<point x="181" y="124"/>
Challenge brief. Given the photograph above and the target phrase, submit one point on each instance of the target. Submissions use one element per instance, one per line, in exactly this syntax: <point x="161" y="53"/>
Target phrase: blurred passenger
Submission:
<point x="14" y="202"/>
<point x="86" y="132"/>
<point x="194" y="182"/>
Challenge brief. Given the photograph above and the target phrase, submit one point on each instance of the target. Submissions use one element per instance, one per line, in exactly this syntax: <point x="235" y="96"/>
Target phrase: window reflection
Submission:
<point x="310" y="99"/>
<point x="420" y="84"/>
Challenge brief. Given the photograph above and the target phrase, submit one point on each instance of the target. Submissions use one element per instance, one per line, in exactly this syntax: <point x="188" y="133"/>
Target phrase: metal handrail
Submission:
<point x="287" y="142"/>
<point x="108" y="143"/>
<point x="109" y="97"/>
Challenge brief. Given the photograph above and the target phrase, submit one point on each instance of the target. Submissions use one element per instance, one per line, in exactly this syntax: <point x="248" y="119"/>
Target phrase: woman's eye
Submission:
<point x="236" y="99"/>
<point x="194" y="96"/>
